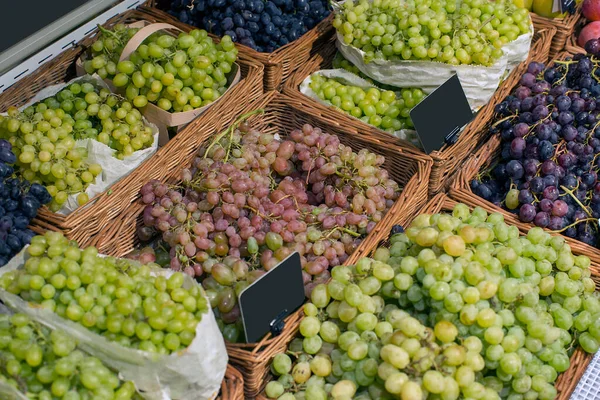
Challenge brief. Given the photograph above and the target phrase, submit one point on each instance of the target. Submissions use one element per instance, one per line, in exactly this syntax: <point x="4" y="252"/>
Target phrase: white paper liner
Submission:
<point x="194" y="373"/>
<point x="347" y="77"/>
<point x="113" y="169"/>
<point x="478" y="82"/>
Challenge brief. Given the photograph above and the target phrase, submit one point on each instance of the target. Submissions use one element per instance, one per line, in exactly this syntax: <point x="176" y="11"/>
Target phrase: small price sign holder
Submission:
<point x="270" y="299"/>
<point x="439" y="117"/>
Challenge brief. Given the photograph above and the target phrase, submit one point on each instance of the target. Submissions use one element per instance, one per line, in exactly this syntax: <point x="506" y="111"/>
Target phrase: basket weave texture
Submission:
<point x="565" y="27"/>
<point x="84" y="223"/>
<point x="411" y="170"/>
<point x="232" y="387"/>
<point x="449" y="157"/>
<point x="281" y="63"/>
<point x="571" y="46"/>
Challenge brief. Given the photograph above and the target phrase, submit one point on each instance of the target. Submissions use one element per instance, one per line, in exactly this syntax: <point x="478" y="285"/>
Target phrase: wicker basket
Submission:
<point x="410" y="169"/>
<point x="568" y="380"/>
<point x="565" y="383"/>
<point x="281" y="63"/>
<point x="87" y="221"/>
<point x="571" y="46"/>
<point x="485" y="157"/>
<point x="565" y="27"/>
<point x="232" y="387"/>
<point x="448" y="158"/>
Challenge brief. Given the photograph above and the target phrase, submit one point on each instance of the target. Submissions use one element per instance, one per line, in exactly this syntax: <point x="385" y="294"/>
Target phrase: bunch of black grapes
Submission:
<point x="19" y="204"/>
<point x="548" y="167"/>
<point x="259" y="24"/>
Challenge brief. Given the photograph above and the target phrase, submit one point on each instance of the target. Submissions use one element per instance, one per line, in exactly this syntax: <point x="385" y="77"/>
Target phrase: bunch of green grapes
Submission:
<point x="471" y="309"/>
<point x="384" y="109"/>
<point x="45" y="365"/>
<point x="353" y="345"/>
<point x="43" y="137"/>
<point x="105" y="117"/>
<point x="469" y="32"/>
<point x="175" y="73"/>
<point x="119" y="299"/>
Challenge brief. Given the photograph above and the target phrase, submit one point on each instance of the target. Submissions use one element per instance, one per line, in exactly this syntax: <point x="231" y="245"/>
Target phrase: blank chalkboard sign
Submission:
<point x="440" y="116"/>
<point x="275" y="295"/>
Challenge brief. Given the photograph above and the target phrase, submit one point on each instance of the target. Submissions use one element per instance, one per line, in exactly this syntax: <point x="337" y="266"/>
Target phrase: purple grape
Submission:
<point x="556" y="223"/>
<point x="528" y="79"/>
<point x="536" y="185"/>
<point x="542" y="219"/>
<point x="521" y="129"/>
<point x="560" y="208"/>
<point x="546" y="205"/>
<point x="592" y="46"/>
<point x="515" y="169"/>
<point x="525" y="197"/>
<point x="551" y="193"/>
<point x="527" y="213"/>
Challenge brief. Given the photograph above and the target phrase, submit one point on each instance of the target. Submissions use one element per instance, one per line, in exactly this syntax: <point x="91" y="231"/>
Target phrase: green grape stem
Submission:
<point x="231" y="130"/>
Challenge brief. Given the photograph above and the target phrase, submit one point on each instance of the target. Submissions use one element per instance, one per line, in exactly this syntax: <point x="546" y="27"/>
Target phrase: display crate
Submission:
<point x="409" y="169"/>
<point x="86" y="221"/>
<point x="449" y="157"/>
<point x="281" y="63"/>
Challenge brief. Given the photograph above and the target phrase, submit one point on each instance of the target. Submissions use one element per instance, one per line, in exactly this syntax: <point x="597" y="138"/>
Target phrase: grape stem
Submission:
<point x="504" y="119"/>
<point x="570" y="192"/>
<point x="574" y="224"/>
<point x="231" y="130"/>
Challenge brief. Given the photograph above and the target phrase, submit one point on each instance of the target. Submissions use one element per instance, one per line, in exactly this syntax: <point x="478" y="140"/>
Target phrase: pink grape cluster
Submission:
<point x="251" y="199"/>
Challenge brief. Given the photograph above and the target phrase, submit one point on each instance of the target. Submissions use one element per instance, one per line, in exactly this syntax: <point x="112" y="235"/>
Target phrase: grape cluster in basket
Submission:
<point x="261" y="25"/>
<point x="548" y="167"/>
<point x="45" y="364"/>
<point x="250" y="199"/>
<point x="44" y="137"/>
<point x="19" y="204"/>
<point x="469" y="32"/>
<point x="458" y="307"/>
<point x="175" y="73"/>
<point x="136" y="306"/>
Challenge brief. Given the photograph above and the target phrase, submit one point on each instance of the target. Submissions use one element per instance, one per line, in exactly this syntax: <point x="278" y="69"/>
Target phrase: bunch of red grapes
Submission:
<point x="250" y="199"/>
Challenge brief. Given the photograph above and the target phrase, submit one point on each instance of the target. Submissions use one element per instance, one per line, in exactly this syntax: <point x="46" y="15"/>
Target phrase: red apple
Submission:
<point x="591" y="10"/>
<point x="590" y="31"/>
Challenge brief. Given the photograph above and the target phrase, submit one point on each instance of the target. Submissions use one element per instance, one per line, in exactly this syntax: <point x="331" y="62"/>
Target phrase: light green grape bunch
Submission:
<point x="175" y="73"/>
<point x="467" y="32"/>
<point x="115" y="298"/>
<point x="44" y="137"/>
<point x="384" y="109"/>
<point x="46" y="365"/>
<point x="459" y="306"/>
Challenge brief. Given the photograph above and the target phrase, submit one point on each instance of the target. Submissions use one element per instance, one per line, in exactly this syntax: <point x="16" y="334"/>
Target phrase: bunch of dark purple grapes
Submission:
<point x="19" y="204"/>
<point x="550" y="142"/>
<point x="251" y="199"/>
<point x="263" y="25"/>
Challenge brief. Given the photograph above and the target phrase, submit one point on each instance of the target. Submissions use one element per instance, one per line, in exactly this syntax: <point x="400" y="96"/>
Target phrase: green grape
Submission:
<point x="46" y="363"/>
<point x="386" y="113"/>
<point x="164" y="69"/>
<point x="81" y="293"/>
<point x="435" y="31"/>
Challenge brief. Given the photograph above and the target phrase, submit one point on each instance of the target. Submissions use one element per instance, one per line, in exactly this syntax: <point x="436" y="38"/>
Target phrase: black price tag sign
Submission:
<point x="440" y="116"/>
<point x="270" y="299"/>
